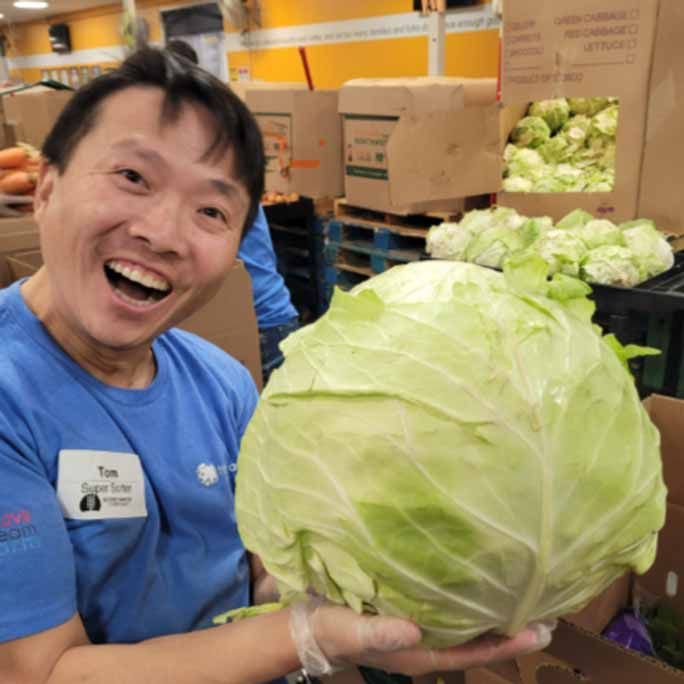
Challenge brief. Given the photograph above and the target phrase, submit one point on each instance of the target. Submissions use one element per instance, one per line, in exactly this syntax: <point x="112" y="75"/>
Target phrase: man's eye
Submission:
<point x="213" y="212"/>
<point x="131" y="175"/>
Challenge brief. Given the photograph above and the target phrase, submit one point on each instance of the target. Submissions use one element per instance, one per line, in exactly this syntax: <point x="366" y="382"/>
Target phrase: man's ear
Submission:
<point x="47" y="174"/>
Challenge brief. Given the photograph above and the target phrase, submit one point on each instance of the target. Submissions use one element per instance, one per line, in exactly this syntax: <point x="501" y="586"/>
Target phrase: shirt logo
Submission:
<point x="207" y="474"/>
<point x="18" y="533"/>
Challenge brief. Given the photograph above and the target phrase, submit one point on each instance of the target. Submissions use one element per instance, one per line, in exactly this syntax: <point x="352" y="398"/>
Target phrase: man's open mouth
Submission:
<point x="135" y="285"/>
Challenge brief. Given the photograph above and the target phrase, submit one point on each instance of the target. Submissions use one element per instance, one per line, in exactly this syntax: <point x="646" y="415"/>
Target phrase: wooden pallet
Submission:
<point x="363" y="261"/>
<point x="413" y="224"/>
<point x="377" y="237"/>
<point x="324" y="206"/>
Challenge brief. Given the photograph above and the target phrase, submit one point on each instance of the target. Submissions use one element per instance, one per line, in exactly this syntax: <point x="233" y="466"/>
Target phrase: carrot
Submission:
<point x="17" y="183"/>
<point x="13" y="157"/>
<point x="33" y="153"/>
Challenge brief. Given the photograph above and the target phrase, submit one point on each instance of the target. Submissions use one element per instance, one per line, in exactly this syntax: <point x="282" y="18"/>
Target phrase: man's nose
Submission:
<point x="163" y="225"/>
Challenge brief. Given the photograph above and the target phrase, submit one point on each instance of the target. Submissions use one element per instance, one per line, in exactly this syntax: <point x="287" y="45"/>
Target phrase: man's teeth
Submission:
<point x="140" y="303"/>
<point x="138" y="276"/>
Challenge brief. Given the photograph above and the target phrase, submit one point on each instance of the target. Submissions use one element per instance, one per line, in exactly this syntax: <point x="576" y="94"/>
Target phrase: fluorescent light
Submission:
<point x="30" y="4"/>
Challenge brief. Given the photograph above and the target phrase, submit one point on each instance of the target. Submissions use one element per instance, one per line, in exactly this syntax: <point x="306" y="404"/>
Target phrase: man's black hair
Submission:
<point x="180" y="47"/>
<point x="181" y="82"/>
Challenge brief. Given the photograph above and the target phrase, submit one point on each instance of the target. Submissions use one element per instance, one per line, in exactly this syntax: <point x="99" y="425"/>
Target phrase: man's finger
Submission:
<point x="491" y="649"/>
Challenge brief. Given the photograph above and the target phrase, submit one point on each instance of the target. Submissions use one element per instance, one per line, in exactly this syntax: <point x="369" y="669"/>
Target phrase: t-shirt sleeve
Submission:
<point x="36" y="557"/>
<point x="249" y="398"/>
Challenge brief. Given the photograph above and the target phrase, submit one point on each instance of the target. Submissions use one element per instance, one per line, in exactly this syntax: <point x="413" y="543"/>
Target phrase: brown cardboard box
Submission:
<point x="18" y="235"/>
<point x="501" y="673"/>
<point x="25" y="264"/>
<point x="19" y="265"/>
<point x="31" y="113"/>
<point x="240" y="88"/>
<point x="580" y="48"/>
<point x="302" y="138"/>
<point x="661" y="197"/>
<point x="419" y="144"/>
<point x="229" y="321"/>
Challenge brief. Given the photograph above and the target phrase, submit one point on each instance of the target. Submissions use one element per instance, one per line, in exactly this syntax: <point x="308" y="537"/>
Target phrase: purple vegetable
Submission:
<point x="629" y="630"/>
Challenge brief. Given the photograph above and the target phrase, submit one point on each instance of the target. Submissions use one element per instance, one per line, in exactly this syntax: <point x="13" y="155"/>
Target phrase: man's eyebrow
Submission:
<point x="229" y="190"/>
<point x="134" y="147"/>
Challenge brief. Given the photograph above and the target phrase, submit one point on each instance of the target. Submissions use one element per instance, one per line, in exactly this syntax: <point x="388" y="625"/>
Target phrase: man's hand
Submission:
<point x="264" y="589"/>
<point x="327" y="634"/>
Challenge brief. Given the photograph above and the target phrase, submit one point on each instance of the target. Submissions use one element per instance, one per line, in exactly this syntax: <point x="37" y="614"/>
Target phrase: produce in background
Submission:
<point x="561" y="250"/>
<point x="455" y="446"/>
<point x="554" y="112"/>
<point x="611" y="264"/>
<point x="595" y="250"/>
<point x="275" y="197"/>
<point x="482" y="226"/>
<point x="532" y="131"/>
<point x="18" y="176"/>
<point x="646" y="242"/>
<point x="563" y="145"/>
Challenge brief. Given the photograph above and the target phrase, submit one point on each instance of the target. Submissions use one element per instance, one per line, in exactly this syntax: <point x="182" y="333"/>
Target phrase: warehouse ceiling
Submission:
<point x="56" y="7"/>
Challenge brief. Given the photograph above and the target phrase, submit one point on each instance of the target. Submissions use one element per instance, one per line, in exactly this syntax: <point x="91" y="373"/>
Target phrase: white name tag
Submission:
<point x="93" y="485"/>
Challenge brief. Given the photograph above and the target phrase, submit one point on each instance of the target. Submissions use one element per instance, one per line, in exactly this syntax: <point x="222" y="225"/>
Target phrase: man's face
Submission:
<point x="140" y="229"/>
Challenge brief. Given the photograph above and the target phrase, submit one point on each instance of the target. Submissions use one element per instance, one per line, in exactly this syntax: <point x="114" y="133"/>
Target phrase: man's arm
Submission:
<point x="254" y="650"/>
<point x="247" y="652"/>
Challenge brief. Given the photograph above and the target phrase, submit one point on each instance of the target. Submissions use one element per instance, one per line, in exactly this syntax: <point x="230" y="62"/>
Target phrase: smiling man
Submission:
<point x="138" y="230"/>
<point x="119" y="434"/>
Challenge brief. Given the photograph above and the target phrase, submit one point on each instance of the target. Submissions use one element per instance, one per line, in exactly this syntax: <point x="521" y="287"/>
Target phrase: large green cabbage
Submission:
<point x="455" y="446"/>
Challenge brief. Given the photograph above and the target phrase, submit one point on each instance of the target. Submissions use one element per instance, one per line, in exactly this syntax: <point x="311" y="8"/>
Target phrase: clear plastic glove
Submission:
<point x="330" y="637"/>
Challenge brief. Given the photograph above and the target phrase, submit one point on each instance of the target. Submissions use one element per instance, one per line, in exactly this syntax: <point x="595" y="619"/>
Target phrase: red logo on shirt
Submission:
<point x="14" y="519"/>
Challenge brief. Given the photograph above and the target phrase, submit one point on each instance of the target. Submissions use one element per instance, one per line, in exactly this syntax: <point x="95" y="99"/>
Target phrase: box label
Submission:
<point x="609" y="35"/>
<point x="276" y="130"/>
<point x="366" y="138"/>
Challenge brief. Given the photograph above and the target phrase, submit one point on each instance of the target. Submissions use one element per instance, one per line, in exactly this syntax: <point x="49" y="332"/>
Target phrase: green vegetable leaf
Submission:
<point x="246" y="612"/>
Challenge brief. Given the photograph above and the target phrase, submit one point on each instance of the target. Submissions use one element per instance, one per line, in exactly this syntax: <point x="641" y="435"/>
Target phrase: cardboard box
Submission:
<point x="302" y="138"/>
<point x="229" y="321"/>
<point x="661" y="197"/>
<point x="18" y="235"/>
<point x="19" y="265"/>
<point x="419" y="144"/>
<point x="500" y="673"/>
<point x="31" y="113"/>
<point x="582" y="48"/>
<point x="240" y="88"/>
<point x="25" y="264"/>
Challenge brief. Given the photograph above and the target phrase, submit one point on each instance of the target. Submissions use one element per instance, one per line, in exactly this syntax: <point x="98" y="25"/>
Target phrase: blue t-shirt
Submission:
<point x="272" y="301"/>
<point x="117" y="503"/>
